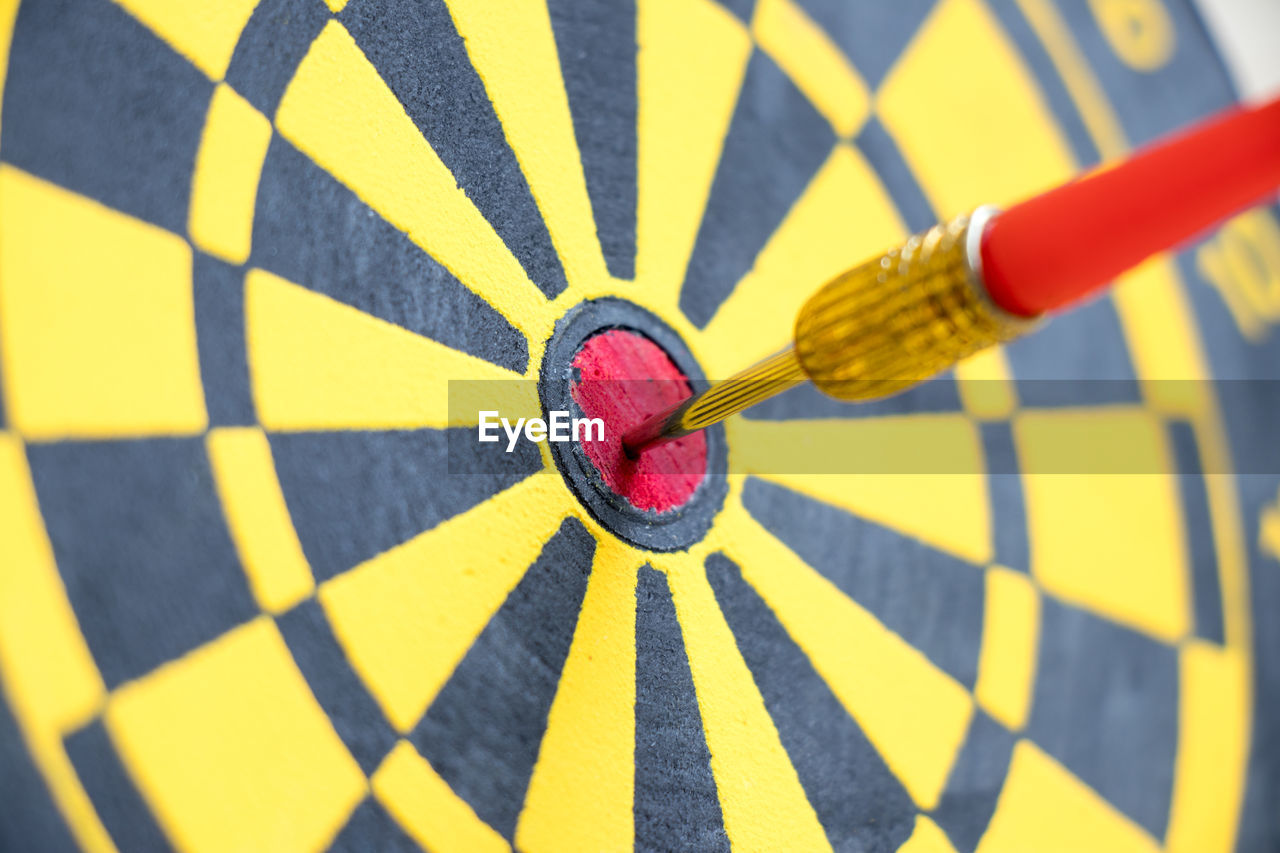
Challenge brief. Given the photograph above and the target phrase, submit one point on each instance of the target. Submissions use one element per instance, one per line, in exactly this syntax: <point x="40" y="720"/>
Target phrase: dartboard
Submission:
<point x="258" y="590"/>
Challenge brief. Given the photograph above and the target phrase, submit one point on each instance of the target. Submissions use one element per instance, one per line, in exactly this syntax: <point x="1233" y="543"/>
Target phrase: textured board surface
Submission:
<point x="258" y="592"/>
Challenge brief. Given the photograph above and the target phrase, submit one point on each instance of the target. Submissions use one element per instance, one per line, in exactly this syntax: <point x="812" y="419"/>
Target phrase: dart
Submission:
<point x="989" y="276"/>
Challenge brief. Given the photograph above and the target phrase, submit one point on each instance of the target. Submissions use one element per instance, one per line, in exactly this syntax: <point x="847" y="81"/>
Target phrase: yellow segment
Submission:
<point x="336" y="6"/>
<point x="692" y="57"/>
<point x="338" y="110"/>
<point x="97" y="325"/>
<point x="8" y="13"/>
<point x="1269" y="530"/>
<point x="427" y="807"/>
<point x="204" y="31"/>
<point x="933" y="488"/>
<point x="1112" y="543"/>
<point x="1151" y="304"/>
<point x="914" y="714"/>
<point x="762" y="802"/>
<point x="1213" y="740"/>
<point x="231" y="750"/>
<point x="258" y="518"/>
<point x="319" y="364"/>
<point x="986" y="385"/>
<point x="817" y="66"/>
<point x="225" y="186"/>
<point x="1046" y="809"/>
<point x="582" y="790"/>
<point x="49" y="678"/>
<point x="975" y="132"/>
<point x="1010" y="637"/>
<point x="843" y="218"/>
<point x="514" y="50"/>
<point x="407" y="616"/>
<point x="927" y="838"/>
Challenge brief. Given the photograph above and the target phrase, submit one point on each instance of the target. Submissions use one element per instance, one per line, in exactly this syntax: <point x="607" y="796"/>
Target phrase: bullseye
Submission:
<point x="613" y="360"/>
<point x="622" y="377"/>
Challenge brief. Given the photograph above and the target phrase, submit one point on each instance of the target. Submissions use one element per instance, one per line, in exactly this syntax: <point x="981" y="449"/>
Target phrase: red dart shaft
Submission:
<point x="1057" y="248"/>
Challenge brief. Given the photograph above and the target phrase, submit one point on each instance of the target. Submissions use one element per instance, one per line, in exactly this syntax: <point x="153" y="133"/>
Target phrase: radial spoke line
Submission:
<point x="446" y="99"/>
<point x="855" y="795"/>
<point x="317" y="364"/>
<point x="514" y="51"/>
<point x="340" y="112"/>
<point x="763" y="802"/>
<point x="408" y="616"/>
<point x="914" y="714"/>
<point x="921" y="475"/>
<point x="311" y="229"/>
<point x="671" y="748"/>
<point x="693" y="54"/>
<point x="585" y="761"/>
<point x="484" y="730"/>
<point x="929" y="598"/>
<point x="776" y="143"/>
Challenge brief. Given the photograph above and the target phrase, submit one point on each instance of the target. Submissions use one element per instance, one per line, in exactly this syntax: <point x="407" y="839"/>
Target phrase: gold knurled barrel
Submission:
<point x="872" y="331"/>
<point x="903" y="317"/>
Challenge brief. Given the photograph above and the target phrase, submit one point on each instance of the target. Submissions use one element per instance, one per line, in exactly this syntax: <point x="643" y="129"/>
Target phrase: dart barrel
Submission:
<point x="872" y="331"/>
<point x="905" y="316"/>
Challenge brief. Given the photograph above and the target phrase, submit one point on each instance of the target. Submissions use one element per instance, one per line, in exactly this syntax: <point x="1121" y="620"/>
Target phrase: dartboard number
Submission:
<point x="1139" y="31"/>
<point x="1243" y="263"/>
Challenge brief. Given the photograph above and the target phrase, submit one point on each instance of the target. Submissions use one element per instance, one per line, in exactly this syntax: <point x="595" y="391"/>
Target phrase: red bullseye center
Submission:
<point x="622" y="378"/>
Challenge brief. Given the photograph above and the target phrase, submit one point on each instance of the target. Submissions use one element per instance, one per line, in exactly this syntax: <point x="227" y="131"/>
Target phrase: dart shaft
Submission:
<point x="753" y="385"/>
<point x="915" y="311"/>
<point x="872" y="331"/>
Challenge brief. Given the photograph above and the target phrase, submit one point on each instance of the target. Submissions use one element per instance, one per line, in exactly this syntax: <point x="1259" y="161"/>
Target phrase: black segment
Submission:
<point x="353" y="712"/>
<point x="1049" y="82"/>
<point x="932" y="600"/>
<point x="370" y="829"/>
<point x="483" y="731"/>
<point x="224" y="365"/>
<point x="353" y="495"/>
<point x="743" y="9"/>
<point x="1106" y="706"/>
<point x="97" y="103"/>
<point x="873" y="35"/>
<point x="29" y="819"/>
<point x="1075" y="359"/>
<point x="969" y="800"/>
<point x="939" y="394"/>
<point x="115" y="797"/>
<point x="676" y="804"/>
<point x="1008" y="502"/>
<point x="418" y="52"/>
<point x="596" y="41"/>
<point x="1198" y="526"/>
<point x="142" y="547"/>
<point x="882" y="153"/>
<point x="776" y="142"/>
<point x="271" y="47"/>
<point x="859" y="802"/>
<point x="313" y="231"/>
